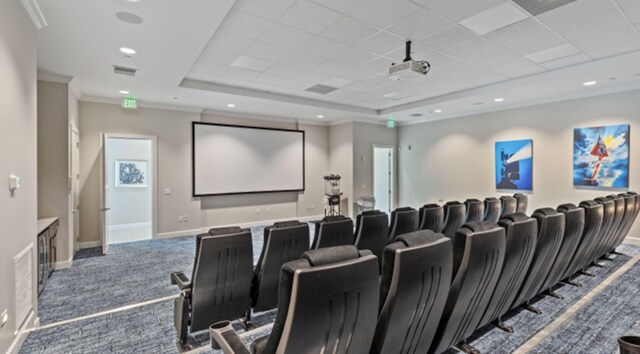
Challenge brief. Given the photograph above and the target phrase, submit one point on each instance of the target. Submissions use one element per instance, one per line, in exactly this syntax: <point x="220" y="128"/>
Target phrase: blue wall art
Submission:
<point x="514" y="165"/>
<point x="601" y="156"/>
<point x="131" y="173"/>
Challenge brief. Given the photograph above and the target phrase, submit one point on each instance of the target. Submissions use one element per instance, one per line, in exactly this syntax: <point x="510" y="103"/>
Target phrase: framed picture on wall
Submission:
<point x="131" y="173"/>
<point x="514" y="165"/>
<point x="601" y="156"/>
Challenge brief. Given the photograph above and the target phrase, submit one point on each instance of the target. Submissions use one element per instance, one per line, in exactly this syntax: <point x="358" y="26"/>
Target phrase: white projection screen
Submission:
<point x="230" y="159"/>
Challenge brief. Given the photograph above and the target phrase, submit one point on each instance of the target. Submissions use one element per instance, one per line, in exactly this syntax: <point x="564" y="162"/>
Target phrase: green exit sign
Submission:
<point x="130" y="103"/>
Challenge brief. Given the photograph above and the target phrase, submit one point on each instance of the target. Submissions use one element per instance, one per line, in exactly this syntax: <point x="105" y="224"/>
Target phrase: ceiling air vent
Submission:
<point x="537" y="7"/>
<point x="123" y="70"/>
<point x="321" y="89"/>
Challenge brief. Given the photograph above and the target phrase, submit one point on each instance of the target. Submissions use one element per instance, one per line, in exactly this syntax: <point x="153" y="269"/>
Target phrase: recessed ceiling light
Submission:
<point x="437" y="111"/>
<point x="498" y="99"/>
<point x="124" y="92"/>
<point x="127" y="51"/>
<point x="320" y="116"/>
<point x="230" y="105"/>
<point x="590" y="83"/>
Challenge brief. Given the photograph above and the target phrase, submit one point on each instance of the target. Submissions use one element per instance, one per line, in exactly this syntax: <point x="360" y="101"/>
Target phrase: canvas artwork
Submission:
<point x="514" y="165"/>
<point x="601" y="156"/>
<point x="131" y="173"/>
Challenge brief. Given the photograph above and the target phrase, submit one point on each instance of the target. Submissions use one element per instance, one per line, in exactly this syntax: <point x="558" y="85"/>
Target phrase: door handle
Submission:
<point x="104" y="209"/>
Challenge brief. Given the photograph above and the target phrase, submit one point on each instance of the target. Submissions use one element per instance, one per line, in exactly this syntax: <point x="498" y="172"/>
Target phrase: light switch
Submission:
<point x="14" y="183"/>
<point x="167" y="191"/>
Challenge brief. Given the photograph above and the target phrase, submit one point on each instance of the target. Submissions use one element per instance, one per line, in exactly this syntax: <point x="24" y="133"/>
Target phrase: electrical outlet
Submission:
<point x="183" y="218"/>
<point x="167" y="191"/>
<point x="4" y="318"/>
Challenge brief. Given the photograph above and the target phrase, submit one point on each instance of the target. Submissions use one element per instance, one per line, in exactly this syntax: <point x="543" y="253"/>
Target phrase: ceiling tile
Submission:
<point x="397" y="95"/>
<point x="266" y="51"/>
<point x="382" y="43"/>
<point x="449" y="38"/>
<point x="614" y="42"/>
<point x="310" y="17"/>
<point x="553" y="53"/>
<point x="480" y="52"/>
<point x="268" y="79"/>
<point x="244" y="24"/>
<point x="342" y="6"/>
<point x="458" y="10"/>
<point x="354" y="56"/>
<point x="337" y="82"/>
<point x="349" y="31"/>
<point x="494" y="18"/>
<point x="579" y="11"/>
<point x="237" y="76"/>
<point x="232" y="44"/>
<point x="284" y="36"/>
<point x="322" y="47"/>
<point x="566" y="61"/>
<point x="525" y="37"/>
<point x="378" y="65"/>
<point x="250" y="63"/>
<point x="271" y="9"/>
<point x="516" y="67"/>
<point x="301" y="59"/>
<point x="538" y="7"/>
<point x="594" y="26"/>
<point x="207" y="67"/>
<point x="384" y="13"/>
<point x="631" y="8"/>
<point x="419" y="25"/>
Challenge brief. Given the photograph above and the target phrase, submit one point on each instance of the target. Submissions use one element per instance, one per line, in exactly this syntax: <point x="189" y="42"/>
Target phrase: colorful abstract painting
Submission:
<point x="514" y="165"/>
<point x="601" y="156"/>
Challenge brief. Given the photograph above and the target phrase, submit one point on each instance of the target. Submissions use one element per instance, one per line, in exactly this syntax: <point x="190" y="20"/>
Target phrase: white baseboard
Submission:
<point x="632" y="240"/>
<point x="194" y="232"/>
<point x="31" y="322"/>
<point x="89" y="244"/>
<point x="64" y="264"/>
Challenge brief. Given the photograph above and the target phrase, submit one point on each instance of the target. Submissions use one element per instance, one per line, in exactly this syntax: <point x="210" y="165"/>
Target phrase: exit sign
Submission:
<point x="130" y="103"/>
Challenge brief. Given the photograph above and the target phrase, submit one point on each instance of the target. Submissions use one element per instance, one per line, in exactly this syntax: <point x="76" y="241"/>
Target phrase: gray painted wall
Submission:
<point x="18" y="212"/>
<point x="453" y="159"/>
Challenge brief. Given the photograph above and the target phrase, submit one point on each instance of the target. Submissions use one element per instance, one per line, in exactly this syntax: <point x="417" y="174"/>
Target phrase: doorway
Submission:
<point x="74" y="197"/>
<point x="128" y="189"/>
<point x="383" y="177"/>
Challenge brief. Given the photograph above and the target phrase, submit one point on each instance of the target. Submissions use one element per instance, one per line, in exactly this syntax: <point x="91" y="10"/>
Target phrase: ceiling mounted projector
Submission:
<point x="409" y="68"/>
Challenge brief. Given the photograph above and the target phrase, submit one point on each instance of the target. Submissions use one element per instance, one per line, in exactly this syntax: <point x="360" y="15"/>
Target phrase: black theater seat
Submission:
<point x="627" y="220"/>
<point x="403" y="221"/>
<point x="474" y="210"/>
<point x="328" y="303"/>
<point x="593" y="217"/>
<point x="454" y="214"/>
<point x="509" y="205"/>
<point x="492" y="210"/>
<point x="551" y="226"/>
<point x="521" y="237"/>
<point x="522" y="202"/>
<point x="333" y="231"/>
<point x="372" y="230"/>
<point x="431" y="218"/>
<point x="283" y="242"/>
<point x="478" y="255"/>
<point x="415" y="283"/>
<point x="614" y="234"/>
<point x="607" y="232"/>
<point x="220" y="284"/>
<point x="632" y="218"/>
<point x="574" y="225"/>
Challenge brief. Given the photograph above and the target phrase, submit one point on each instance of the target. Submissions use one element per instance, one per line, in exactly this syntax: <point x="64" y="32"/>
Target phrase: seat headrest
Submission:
<point x="404" y="209"/>
<point x="219" y="231"/>
<point x="418" y="238"/>
<point x="516" y="217"/>
<point x="334" y="218"/>
<point x="453" y="202"/>
<point x="289" y="223"/>
<point x="603" y="200"/>
<point x="518" y="195"/>
<point x="479" y="226"/>
<point x="329" y="255"/>
<point x="632" y="193"/>
<point x="506" y="197"/>
<point x="614" y="197"/>
<point x="567" y="207"/>
<point x="588" y="203"/>
<point x="473" y="200"/>
<point x="490" y="199"/>
<point x="431" y="206"/>
<point x="546" y="211"/>
<point x="372" y="212"/>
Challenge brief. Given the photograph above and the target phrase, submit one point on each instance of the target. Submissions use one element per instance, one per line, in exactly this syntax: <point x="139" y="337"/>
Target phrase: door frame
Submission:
<point x="154" y="178"/>
<point x="392" y="200"/>
<point x="73" y="228"/>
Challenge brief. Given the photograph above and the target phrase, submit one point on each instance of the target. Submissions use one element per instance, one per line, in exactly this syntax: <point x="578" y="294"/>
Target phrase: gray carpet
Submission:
<point x="596" y="326"/>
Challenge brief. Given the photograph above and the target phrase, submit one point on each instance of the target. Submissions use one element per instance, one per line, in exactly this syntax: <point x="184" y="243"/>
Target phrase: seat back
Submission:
<point x="607" y="233"/>
<point x="474" y="210"/>
<point x="492" y="208"/>
<point x="633" y="217"/>
<point x="283" y="242"/>
<point x="593" y="217"/>
<point x="478" y="253"/>
<point x="509" y="205"/>
<point x="328" y="303"/>
<point x="574" y="225"/>
<point x="372" y="230"/>
<point x="627" y="220"/>
<point x="551" y="226"/>
<point x="221" y="281"/>
<point x="415" y="283"/>
<point x="521" y="237"/>
<point x="431" y="218"/>
<point x="522" y="202"/>
<point x="333" y="231"/>
<point x="454" y="214"/>
<point x="403" y="221"/>
<point x="621" y="208"/>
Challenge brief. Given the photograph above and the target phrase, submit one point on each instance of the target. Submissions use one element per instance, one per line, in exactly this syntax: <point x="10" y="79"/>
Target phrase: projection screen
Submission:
<point x="231" y="159"/>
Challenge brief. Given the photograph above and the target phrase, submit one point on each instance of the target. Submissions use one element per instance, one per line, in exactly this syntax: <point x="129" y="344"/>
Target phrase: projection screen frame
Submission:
<point x="193" y="160"/>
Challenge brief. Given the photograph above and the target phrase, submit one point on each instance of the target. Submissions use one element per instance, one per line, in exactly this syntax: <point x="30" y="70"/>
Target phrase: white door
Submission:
<point x="104" y="195"/>
<point x="383" y="178"/>
<point x="75" y="186"/>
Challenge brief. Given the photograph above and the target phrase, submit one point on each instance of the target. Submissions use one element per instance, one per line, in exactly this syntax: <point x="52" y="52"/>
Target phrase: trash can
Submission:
<point x="629" y="344"/>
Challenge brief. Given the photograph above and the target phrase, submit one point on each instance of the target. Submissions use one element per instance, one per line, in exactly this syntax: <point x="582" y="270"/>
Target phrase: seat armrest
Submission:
<point x="181" y="280"/>
<point x="224" y="337"/>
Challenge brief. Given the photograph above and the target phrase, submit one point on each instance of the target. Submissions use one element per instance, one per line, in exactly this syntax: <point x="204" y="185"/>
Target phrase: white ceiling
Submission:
<point x="261" y="55"/>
